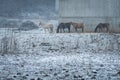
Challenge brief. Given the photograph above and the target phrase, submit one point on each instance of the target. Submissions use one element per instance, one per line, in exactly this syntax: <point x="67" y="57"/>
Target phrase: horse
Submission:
<point x="78" y="25"/>
<point x="46" y="26"/>
<point x="62" y="26"/>
<point x="101" y="27"/>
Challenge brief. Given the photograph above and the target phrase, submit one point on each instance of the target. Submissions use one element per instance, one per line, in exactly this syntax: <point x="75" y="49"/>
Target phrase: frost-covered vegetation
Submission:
<point x="43" y="56"/>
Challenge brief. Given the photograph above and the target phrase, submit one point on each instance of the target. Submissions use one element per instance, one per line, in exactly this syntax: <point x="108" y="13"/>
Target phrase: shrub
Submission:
<point x="28" y="25"/>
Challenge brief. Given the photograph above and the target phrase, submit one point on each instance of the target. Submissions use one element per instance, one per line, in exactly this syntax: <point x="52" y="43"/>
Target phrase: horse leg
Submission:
<point x="69" y="29"/>
<point x="82" y="29"/>
<point x="57" y="31"/>
<point x="76" y="29"/>
<point x="51" y="29"/>
<point x="60" y="30"/>
<point x="45" y="30"/>
<point x="64" y="30"/>
<point x="99" y="30"/>
<point x="107" y="29"/>
<point x="102" y="29"/>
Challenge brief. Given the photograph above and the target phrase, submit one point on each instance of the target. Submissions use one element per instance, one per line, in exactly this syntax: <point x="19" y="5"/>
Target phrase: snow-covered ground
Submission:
<point x="82" y="65"/>
<point x="64" y="56"/>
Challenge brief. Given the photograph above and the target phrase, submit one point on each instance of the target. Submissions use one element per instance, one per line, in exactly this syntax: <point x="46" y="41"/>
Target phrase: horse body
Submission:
<point x="78" y="25"/>
<point x="47" y="26"/>
<point x="62" y="26"/>
<point x="101" y="27"/>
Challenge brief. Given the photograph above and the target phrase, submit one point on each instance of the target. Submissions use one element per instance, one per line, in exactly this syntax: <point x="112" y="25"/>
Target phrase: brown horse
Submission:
<point x="78" y="25"/>
<point x="101" y="27"/>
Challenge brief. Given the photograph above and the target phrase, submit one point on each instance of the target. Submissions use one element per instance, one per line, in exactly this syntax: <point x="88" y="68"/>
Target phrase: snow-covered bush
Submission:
<point x="28" y="25"/>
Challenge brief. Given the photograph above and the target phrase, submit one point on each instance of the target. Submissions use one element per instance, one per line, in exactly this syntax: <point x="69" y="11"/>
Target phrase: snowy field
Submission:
<point x="32" y="55"/>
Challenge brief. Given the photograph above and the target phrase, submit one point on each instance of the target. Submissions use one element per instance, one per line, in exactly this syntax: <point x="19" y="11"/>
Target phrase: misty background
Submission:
<point x="27" y="8"/>
<point x="14" y="13"/>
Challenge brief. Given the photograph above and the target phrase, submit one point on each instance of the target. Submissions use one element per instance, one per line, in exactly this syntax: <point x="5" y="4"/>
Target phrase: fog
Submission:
<point x="27" y="8"/>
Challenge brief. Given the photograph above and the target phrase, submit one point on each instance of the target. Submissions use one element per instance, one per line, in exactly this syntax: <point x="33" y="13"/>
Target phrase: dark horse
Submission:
<point x="101" y="27"/>
<point x="62" y="26"/>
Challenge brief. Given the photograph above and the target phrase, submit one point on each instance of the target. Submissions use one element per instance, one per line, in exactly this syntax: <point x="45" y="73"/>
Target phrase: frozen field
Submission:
<point x="82" y="65"/>
<point x="38" y="56"/>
